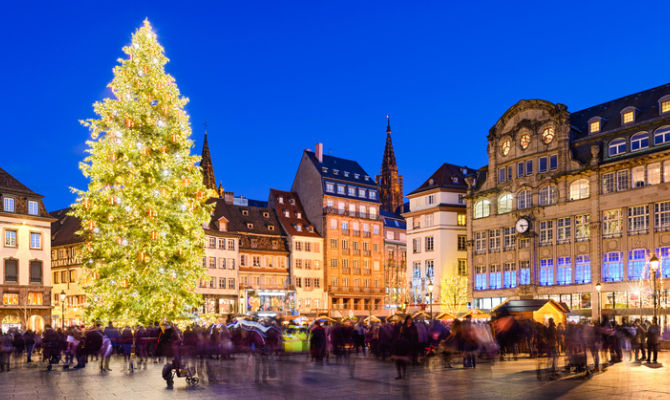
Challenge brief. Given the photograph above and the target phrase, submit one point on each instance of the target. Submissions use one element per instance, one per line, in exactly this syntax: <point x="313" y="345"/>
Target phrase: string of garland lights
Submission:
<point x="143" y="212"/>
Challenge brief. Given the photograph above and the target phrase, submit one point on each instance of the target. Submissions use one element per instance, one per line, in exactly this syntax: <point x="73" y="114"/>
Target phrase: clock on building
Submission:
<point x="522" y="225"/>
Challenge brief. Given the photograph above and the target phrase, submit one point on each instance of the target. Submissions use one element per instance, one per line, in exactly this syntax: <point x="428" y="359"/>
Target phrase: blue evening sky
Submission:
<point x="274" y="77"/>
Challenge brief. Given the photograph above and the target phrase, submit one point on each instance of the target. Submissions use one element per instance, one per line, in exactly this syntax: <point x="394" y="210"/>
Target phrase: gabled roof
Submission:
<point x="12" y="185"/>
<point x="63" y="230"/>
<point x="291" y="204"/>
<point x="341" y="165"/>
<point x="260" y="218"/>
<point x="527" y="305"/>
<point x="448" y="176"/>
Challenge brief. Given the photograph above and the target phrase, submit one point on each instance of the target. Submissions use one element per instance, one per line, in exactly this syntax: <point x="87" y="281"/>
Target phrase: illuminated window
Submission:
<point x="10" y="299"/>
<point x="10" y="238"/>
<point x="524" y="199"/>
<point x="594" y="126"/>
<point x="461" y="219"/>
<point x="613" y="266"/>
<point x="482" y="208"/>
<point x="628" y="117"/>
<point x="583" y="269"/>
<point x="547" y="272"/>
<point x="505" y="203"/>
<point x="33" y="208"/>
<point x="525" y="140"/>
<point x="505" y="147"/>
<point x="579" y="189"/>
<point x="665" y="106"/>
<point x="564" y="271"/>
<point x="35" y="299"/>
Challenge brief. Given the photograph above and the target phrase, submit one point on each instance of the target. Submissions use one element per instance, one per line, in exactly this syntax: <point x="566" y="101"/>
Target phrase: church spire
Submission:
<point x="206" y="165"/>
<point x="390" y="183"/>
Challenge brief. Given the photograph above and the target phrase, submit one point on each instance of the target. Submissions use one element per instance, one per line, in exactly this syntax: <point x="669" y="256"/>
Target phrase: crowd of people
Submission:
<point x="584" y="347"/>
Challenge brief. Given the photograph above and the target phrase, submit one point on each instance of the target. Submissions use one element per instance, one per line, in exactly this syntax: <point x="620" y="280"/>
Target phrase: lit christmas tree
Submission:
<point x="143" y="212"/>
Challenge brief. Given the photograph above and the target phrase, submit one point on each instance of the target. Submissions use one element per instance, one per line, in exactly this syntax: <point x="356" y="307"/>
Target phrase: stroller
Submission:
<point x="176" y="368"/>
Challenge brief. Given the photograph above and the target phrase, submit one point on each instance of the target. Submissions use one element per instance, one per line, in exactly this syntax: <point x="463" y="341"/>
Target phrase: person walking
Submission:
<point x="653" y="335"/>
<point x="29" y="342"/>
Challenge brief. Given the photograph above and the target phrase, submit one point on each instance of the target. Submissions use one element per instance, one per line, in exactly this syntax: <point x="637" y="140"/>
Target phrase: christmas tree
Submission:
<point x="144" y="209"/>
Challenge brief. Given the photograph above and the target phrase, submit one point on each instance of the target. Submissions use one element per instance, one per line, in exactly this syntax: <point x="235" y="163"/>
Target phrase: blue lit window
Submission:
<point x="583" y="269"/>
<point x="564" y="272"/>
<point x="617" y="146"/>
<point x="501" y="175"/>
<point x="524" y="273"/>
<point x="613" y="266"/>
<point x="553" y="162"/>
<point x="520" y="170"/>
<point x="372" y="194"/>
<point x="639" y="141"/>
<point x="495" y="277"/>
<point x="546" y="272"/>
<point x="480" y="278"/>
<point x="542" y="167"/>
<point x="509" y="276"/>
<point x="664" y="256"/>
<point x="529" y="167"/>
<point x="662" y="135"/>
<point x="636" y="263"/>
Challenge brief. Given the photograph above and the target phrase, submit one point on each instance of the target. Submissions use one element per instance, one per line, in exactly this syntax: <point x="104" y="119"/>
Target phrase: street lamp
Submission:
<point x="430" y="291"/>
<point x="62" y="309"/>
<point x="598" y="287"/>
<point x="653" y="266"/>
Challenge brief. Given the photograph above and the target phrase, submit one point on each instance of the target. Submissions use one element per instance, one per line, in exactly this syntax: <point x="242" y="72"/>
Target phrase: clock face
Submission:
<point x="505" y="146"/>
<point x="522" y="225"/>
<point x="525" y="140"/>
<point x="548" y="135"/>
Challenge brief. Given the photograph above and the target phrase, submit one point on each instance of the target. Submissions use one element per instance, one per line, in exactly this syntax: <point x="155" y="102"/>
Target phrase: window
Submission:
<point x="542" y="165"/>
<point x="480" y="278"/>
<point x="298" y="282"/>
<point x="582" y="227"/>
<point x="509" y="275"/>
<point x="563" y="230"/>
<point x="35" y="240"/>
<point x="583" y="269"/>
<point x="622" y="180"/>
<point x="546" y="233"/>
<point x="664" y="255"/>
<point x="10" y="299"/>
<point x="33" y="208"/>
<point x="548" y="135"/>
<point x="509" y="238"/>
<point x="638" y="219"/>
<point x="502" y="174"/>
<point x="548" y="195"/>
<point x="462" y="267"/>
<point x="35" y="298"/>
<point x="461" y="242"/>
<point x="612" y="223"/>
<point x="613" y="266"/>
<point x="430" y="199"/>
<point x="351" y="191"/>
<point x="509" y="173"/>
<point x="529" y="167"/>
<point x="662" y="135"/>
<point x="553" y="162"/>
<point x="505" y="203"/>
<point x="212" y="262"/>
<point x="480" y="242"/>
<point x="494" y="240"/>
<point x="654" y="174"/>
<point x="298" y="263"/>
<point x="665" y="106"/>
<point x="317" y="284"/>
<point x="10" y="238"/>
<point x="628" y="117"/>
<point x="211" y="242"/>
<point x="520" y="169"/>
<point x="546" y="272"/>
<point x="608" y="183"/>
<point x="416" y="273"/>
<point x="222" y="244"/>
<point x="333" y="262"/>
<point x="372" y="194"/>
<point x="639" y="141"/>
<point x="330" y="187"/>
<point x="594" y="126"/>
<point x="461" y="219"/>
<point x="662" y="216"/>
<point x="416" y="245"/>
<point x="564" y="271"/>
<point x="482" y="208"/>
<point x="524" y="199"/>
<point x="36" y="272"/>
<point x="524" y="273"/>
<point x="579" y="189"/>
<point x="222" y="283"/>
<point x="8" y="204"/>
<point x="11" y="270"/>
<point x="256" y="261"/>
<point x="617" y="146"/>
<point x="495" y="277"/>
<point x="430" y="269"/>
<point x="340" y="189"/>
<point x="429" y="219"/>
<point x="638" y="177"/>
<point x="636" y="263"/>
<point x="429" y="242"/>
<point x="231" y="244"/>
<point x="361" y="192"/>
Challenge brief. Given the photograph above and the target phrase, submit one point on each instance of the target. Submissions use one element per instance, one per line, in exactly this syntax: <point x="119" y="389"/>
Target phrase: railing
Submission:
<point x="662" y="228"/>
<point x="562" y="241"/>
<point x="367" y="253"/>
<point x="639" y="231"/>
<point x="542" y="244"/>
<point x="611" y="235"/>
<point x="480" y="252"/>
<point x="345" y="270"/>
<point x="357" y="252"/>
<point x="356" y="233"/>
<point x="367" y="271"/>
<point x="508" y="248"/>
<point x="345" y="251"/>
<point x="581" y="238"/>
<point x="346" y="231"/>
<point x="357" y="271"/>
<point x="366" y="234"/>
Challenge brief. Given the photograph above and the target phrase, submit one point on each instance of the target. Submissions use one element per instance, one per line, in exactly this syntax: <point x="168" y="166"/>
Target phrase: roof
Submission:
<point x="448" y="176"/>
<point x="527" y="305"/>
<point x="10" y="184"/>
<point x="63" y="230"/>
<point x="290" y="205"/>
<point x="645" y="102"/>
<point x="393" y="220"/>
<point x="335" y="167"/>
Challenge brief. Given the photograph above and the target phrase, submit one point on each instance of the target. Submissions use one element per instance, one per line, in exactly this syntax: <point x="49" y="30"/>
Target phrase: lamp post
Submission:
<point x="598" y="287"/>
<point x="62" y="309"/>
<point x="653" y="267"/>
<point x="430" y="291"/>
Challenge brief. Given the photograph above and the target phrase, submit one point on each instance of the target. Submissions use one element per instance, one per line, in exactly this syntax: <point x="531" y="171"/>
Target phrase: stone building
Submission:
<point x="390" y="183"/>
<point x="436" y="234"/>
<point x="66" y="269"/>
<point x="342" y="201"/>
<point x="395" y="261"/>
<point x="569" y="200"/>
<point x="25" y="283"/>
<point x="306" y="252"/>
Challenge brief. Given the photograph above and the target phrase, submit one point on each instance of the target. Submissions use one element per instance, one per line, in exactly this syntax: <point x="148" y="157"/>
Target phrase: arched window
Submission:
<point x="548" y="195"/>
<point x="482" y="208"/>
<point x="662" y="135"/>
<point x="617" y="146"/>
<point x="639" y="141"/>
<point x="505" y="203"/>
<point x="524" y="199"/>
<point x="579" y="189"/>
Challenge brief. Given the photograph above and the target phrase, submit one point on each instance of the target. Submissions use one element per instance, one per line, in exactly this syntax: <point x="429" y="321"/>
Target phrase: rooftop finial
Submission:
<point x="388" y="124"/>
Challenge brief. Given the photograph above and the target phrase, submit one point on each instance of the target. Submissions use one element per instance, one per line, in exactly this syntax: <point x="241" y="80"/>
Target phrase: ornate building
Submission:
<point x="569" y="200"/>
<point x="390" y="183"/>
<point x="207" y="167"/>
<point x="66" y="269"/>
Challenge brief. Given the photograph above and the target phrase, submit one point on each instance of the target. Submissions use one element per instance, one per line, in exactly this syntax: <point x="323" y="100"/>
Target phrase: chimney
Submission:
<point x="319" y="152"/>
<point x="228" y="197"/>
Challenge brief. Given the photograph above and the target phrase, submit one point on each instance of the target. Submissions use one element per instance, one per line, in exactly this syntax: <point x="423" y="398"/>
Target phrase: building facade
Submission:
<point x="306" y="252"/>
<point x="436" y="237"/>
<point x="342" y="201"/>
<point x="26" y="257"/>
<point x="395" y="261"/>
<point x="569" y="200"/>
<point x="66" y="270"/>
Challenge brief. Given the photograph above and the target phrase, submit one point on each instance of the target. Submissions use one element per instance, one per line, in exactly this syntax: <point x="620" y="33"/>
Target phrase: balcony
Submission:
<point x="547" y="243"/>
<point x="346" y="231"/>
<point x="357" y="271"/>
<point x="345" y="270"/>
<point x="639" y="231"/>
<point x="367" y="271"/>
<point x="367" y="253"/>
<point x="610" y="235"/>
<point x="356" y="233"/>
<point x="357" y="252"/>
<point x="507" y="248"/>
<point x="562" y="241"/>
<point x="662" y="228"/>
<point x="345" y="251"/>
<point x="366" y="234"/>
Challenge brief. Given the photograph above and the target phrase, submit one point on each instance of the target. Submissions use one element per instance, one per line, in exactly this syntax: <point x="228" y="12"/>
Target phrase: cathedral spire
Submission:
<point x="390" y="183"/>
<point x="206" y="165"/>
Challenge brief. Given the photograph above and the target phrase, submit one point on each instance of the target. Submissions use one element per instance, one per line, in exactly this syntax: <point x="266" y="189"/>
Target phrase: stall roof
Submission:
<point x="527" y="305"/>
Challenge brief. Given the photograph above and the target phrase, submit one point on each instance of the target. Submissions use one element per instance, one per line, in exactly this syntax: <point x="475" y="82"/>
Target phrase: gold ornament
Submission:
<point x="129" y="122"/>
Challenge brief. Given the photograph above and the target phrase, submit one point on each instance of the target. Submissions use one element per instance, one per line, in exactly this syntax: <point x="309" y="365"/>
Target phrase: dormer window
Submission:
<point x="280" y="200"/>
<point x="628" y="115"/>
<point x="266" y="214"/>
<point x="245" y="212"/>
<point x="8" y="204"/>
<point x="271" y="227"/>
<point x="310" y="228"/>
<point x="298" y="215"/>
<point x="336" y="171"/>
<point x="664" y="104"/>
<point x="346" y="174"/>
<point x="357" y="176"/>
<point x="250" y="225"/>
<point x="324" y="169"/>
<point x="367" y="178"/>
<point x="33" y="207"/>
<point x="286" y="213"/>
<point x="298" y="228"/>
<point x="292" y="202"/>
<point x="595" y="125"/>
<point x="454" y="179"/>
